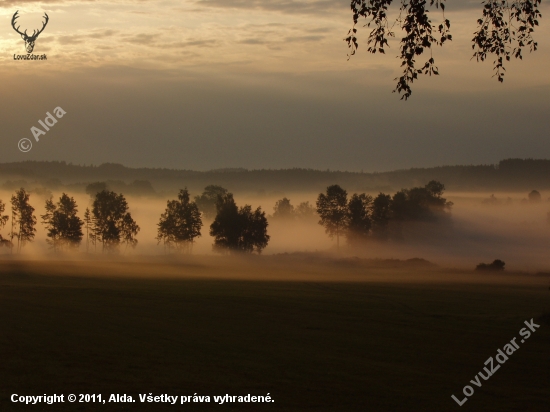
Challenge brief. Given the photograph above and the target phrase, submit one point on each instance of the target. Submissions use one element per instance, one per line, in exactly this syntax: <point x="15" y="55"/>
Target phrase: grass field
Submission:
<point x="317" y="334"/>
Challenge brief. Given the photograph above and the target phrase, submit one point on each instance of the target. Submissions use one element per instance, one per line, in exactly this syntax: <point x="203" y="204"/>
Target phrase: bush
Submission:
<point x="534" y="196"/>
<point x="496" y="265"/>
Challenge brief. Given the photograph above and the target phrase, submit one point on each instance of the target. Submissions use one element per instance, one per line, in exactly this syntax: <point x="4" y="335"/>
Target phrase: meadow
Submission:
<point x="316" y="332"/>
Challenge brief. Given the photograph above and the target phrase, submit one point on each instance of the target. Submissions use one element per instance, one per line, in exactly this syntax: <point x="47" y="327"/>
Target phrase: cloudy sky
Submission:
<point x="204" y="84"/>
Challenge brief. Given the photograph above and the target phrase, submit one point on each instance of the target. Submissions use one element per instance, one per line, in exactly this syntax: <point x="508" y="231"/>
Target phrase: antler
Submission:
<point x="34" y="33"/>
<point x="15" y="16"/>
<point x="43" y="25"/>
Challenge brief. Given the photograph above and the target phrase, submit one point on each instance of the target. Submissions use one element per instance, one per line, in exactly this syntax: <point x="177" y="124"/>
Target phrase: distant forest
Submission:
<point x="508" y="175"/>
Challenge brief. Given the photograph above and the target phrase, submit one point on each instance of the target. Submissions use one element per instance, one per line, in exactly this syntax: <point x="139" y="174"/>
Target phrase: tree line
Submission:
<point x="109" y="224"/>
<point x="364" y="217"/>
<point x="506" y="175"/>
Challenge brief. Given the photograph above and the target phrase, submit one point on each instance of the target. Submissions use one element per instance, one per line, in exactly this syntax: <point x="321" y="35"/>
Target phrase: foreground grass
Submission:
<point x="317" y="336"/>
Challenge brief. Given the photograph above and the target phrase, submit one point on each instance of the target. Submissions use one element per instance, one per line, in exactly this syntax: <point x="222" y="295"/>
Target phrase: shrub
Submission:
<point x="496" y="265"/>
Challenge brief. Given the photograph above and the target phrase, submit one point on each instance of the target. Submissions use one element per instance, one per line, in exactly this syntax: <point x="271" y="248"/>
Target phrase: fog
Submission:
<point x="511" y="229"/>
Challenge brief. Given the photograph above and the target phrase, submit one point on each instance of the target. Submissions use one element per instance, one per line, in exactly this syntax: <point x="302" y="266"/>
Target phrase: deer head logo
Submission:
<point x="29" y="40"/>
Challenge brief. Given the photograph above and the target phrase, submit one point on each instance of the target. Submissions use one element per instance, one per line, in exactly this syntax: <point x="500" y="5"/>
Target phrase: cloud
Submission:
<point x="47" y="39"/>
<point x="313" y="7"/>
<point x="18" y="3"/>
<point x="72" y="39"/>
<point x="144" y="39"/>
<point x="81" y="38"/>
<point x="253" y="41"/>
<point x="102" y="33"/>
<point x="276" y="44"/>
<point x="188" y="43"/>
<point x="282" y="6"/>
<point x="302" y="39"/>
<point x="319" y="30"/>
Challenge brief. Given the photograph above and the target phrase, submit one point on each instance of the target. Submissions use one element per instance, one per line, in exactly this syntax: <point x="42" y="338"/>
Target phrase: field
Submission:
<point x="317" y="333"/>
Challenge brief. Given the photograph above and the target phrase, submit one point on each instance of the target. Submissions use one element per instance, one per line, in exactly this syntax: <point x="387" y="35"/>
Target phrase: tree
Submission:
<point x="380" y="215"/>
<point x="128" y="231"/>
<point x="91" y="229"/>
<point x="64" y="227"/>
<point x="332" y="209"/>
<point x="140" y="188"/>
<point x="238" y="229"/>
<point x="47" y="220"/>
<point x="504" y="30"/>
<point x="359" y="222"/>
<point x="112" y="222"/>
<point x="436" y="201"/>
<point x="23" y="219"/>
<point x="497" y="265"/>
<point x="534" y="196"/>
<point x="3" y="221"/>
<point x="420" y="203"/>
<point x="207" y="201"/>
<point x="254" y="229"/>
<point x="94" y="188"/>
<point x="226" y="226"/>
<point x="304" y="211"/>
<point x="181" y="223"/>
<point x="283" y="209"/>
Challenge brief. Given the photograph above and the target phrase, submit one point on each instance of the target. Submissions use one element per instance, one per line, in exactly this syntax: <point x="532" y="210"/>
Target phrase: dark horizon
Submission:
<point x="237" y="169"/>
<point x="516" y="175"/>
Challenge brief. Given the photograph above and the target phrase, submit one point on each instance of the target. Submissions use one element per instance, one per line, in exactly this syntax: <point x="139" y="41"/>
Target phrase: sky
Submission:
<point x="207" y="84"/>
